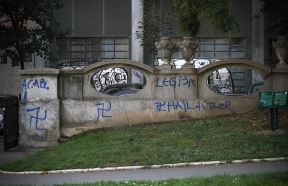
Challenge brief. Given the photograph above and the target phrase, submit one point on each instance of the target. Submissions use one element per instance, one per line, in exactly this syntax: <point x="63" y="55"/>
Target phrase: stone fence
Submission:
<point x="63" y="102"/>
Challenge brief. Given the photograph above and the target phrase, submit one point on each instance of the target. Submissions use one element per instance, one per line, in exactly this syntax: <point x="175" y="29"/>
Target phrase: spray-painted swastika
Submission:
<point x="35" y="119"/>
<point x="101" y="110"/>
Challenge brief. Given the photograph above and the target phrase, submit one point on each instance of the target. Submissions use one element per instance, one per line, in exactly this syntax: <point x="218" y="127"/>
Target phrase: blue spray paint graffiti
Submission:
<point x="35" y="116"/>
<point x="24" y="96"/>
<point x="139" y="76"/>
<point x="32" y="84"/>
<point x="182" y="81"/>
<point x="101" y="110"/>
<point x="167" y="106"/>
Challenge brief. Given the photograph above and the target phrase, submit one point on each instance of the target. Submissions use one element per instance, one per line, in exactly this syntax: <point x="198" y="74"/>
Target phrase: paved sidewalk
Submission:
<point x="12" y="155"/>
<point x="144" y="174"/>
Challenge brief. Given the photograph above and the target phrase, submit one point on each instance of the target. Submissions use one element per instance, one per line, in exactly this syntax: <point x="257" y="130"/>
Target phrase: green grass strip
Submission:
<point x="231" y="137"/>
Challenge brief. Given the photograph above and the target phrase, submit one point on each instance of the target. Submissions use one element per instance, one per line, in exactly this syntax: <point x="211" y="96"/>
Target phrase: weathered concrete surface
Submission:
<point x="169" y="95"/>
<point x="277" y="80"/>
<point x="39" y="88"/>
<point x="81" y="115"/>
<point x="39" y="108"/>
<point x="39" y="124"/>
<point x="72" y="88"/>
<point x="178" y="84"/>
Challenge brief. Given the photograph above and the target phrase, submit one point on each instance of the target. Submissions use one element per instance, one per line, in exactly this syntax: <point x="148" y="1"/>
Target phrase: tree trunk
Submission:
<point x="21" y="65"/>
<point x="21" y="60"/>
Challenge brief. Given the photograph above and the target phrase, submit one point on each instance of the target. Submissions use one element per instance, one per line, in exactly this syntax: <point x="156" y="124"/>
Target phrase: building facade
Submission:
<point x="106" y="29"/>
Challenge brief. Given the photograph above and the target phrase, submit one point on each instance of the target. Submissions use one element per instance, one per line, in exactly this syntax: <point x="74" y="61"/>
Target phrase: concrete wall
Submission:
<point x="68" y="105"/>
<point x="277" y="79"/>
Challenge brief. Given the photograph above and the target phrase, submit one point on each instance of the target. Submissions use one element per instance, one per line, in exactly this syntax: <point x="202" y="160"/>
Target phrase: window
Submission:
<point x="88" y="50"/>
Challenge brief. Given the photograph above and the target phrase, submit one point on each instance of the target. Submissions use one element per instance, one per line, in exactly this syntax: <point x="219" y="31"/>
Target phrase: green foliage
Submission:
<point x="156" y="24"/>
<point x="153" y="27"/>
<point x="276" y="14"/>
<point x="216" y="13"/>
<point x="191" y="14"/>
<point x="27" y="27"/>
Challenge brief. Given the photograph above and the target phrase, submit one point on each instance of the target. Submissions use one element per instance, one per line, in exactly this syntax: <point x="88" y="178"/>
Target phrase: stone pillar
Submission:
<point x="137" y="16"/>
<point x="257" y="32"/>
<point x="257" y="37"/>
<point x="276" y="81"/>
<point x="39" y="108"/>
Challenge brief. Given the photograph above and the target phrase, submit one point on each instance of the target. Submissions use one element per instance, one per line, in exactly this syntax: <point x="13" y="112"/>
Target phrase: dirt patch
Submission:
<point x="259" y="119"/>
<point x="272" y="133"/>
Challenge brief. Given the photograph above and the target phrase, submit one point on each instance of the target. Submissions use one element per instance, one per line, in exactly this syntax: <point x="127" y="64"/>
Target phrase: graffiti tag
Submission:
<point x="167" y="106"/>
<point x="182" y="81"/>
<point x="34" y="83"/>
<point x="139" y="76"/>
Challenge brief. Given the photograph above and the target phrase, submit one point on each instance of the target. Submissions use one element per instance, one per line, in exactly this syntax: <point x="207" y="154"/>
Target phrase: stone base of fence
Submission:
<point x="67" y="102"/>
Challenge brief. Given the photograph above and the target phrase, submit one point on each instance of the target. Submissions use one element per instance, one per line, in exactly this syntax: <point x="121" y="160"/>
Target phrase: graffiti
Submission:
<point x="221" y="88"/>
<point x="101" y="110"/>
<point x="139" y="76"/>
<point x="24" y="96"/>
<point x="182" y="81"/>
<point x="77" y="63"/>
<point x="34" y="83"/>
<point x="167" y="106"/>
<point x="1" y="118"/>
<point x="110" y="76"/>
<point x="35" y="118"/>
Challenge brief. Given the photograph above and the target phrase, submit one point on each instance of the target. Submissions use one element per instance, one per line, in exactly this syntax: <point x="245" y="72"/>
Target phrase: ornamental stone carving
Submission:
<point x="281" y="50"/>
<point x="164" y="48"/>
<point x="188" y="49"/>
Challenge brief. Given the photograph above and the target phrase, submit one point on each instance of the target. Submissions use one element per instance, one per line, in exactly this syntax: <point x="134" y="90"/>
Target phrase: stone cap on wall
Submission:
<point x="108" y="63"/>
<point x="260" y="68"/>
<point x="280" y="69"/>
<point x="39" y="71"/>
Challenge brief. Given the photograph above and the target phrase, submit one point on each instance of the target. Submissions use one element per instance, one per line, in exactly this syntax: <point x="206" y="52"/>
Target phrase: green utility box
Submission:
<point x="273" y="101"/>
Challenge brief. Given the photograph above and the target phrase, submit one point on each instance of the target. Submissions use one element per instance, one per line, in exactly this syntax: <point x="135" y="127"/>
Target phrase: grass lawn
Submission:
<point x="275" y="179"/>
<point x="240" y="136"/>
